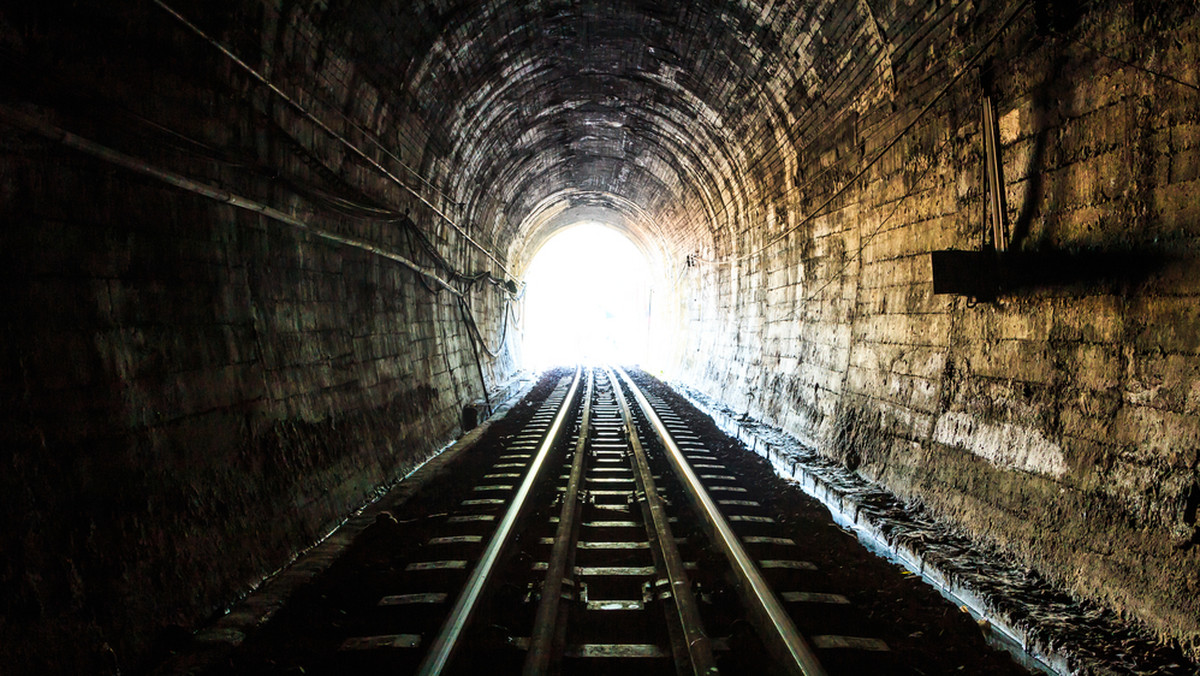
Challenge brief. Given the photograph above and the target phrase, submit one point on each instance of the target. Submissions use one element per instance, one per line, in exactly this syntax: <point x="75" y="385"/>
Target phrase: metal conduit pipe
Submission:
<point x="775" y="628"/>
<point x="73" y="141"/>
<point x="333" y="134"/>
<point x="442" y="648"/>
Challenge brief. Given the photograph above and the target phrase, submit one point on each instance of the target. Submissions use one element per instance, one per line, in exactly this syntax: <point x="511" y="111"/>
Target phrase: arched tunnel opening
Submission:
<point x="259" y="256"/>
<point x="588" y="299"/>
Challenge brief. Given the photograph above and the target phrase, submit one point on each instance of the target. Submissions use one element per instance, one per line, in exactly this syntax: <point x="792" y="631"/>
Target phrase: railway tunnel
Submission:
<point x="262" y="259"/>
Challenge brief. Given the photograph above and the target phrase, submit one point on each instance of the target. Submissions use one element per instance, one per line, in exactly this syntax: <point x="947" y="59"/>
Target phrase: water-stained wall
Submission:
<point x="193" y="392"/>
<point x="1058" y="420"/>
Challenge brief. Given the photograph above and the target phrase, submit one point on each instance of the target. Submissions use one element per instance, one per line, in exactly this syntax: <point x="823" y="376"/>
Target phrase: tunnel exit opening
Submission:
<point x="588" y="300"/>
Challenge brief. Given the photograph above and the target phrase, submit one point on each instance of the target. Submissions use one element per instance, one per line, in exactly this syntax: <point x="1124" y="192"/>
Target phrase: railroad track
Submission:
<point x="600" y="535"/>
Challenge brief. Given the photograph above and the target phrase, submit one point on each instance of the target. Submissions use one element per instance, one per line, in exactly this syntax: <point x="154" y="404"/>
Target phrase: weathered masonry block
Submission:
<point x="191" y="392"/>
<point x="1059" y="420"/>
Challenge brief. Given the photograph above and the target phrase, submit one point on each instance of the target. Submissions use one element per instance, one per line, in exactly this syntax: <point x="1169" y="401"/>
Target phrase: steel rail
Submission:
<point x="699" y="646"/>
<point x="442" y="648"/>
<point x="775" y="628"/>
<point x="543" y="652"/>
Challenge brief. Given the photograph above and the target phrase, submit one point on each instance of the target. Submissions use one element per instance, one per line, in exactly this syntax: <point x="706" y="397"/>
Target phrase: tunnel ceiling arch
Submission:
<point x="568" y="208"/>
<point x="663" y="112"/>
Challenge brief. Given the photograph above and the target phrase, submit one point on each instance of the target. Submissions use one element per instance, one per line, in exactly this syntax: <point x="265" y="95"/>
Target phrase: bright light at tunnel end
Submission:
<point x="587" y="300"/>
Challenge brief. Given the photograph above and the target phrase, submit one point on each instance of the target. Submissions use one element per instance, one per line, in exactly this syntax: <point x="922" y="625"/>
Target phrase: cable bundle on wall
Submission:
<point x="262" y="79"/>
<point x="429" y="277"/>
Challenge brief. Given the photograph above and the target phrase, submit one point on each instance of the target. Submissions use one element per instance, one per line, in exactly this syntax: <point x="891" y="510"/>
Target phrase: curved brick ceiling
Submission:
<point x="665" y="114"/>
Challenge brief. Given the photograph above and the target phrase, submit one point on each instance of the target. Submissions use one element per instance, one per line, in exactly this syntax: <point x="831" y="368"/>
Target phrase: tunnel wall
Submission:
<point x="1057" y="422"/>
<point x="191" y="393"/>
<point x="172" y="367"/>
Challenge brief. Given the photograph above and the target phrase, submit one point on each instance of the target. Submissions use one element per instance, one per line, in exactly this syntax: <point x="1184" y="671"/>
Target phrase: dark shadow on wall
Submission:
<point x="987" y="275"/>
<point x="1044" y="110"/>
<point x="1104" y="270"/>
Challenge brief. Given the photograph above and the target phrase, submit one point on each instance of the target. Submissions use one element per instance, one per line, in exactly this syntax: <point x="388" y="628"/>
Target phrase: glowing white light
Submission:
<point x="587" y="300"/>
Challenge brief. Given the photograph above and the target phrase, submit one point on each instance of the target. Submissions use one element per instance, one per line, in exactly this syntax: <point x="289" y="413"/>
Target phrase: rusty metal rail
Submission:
<point x="544" y="651"/>
<point x="697" y="645"/>
<point x="775" y="628"/>
<point x="443" y="646"/>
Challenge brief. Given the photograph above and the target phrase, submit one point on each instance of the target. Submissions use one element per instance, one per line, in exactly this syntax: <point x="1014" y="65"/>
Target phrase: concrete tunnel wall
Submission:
<point x="193" y="392"/>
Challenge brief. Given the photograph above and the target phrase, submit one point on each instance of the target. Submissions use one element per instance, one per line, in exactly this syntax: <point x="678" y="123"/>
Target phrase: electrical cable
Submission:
<point x="333" y="134"/>
<point x="862" y="243"/>
<point x="346" y="207"/>
<point x="304" y="35"/>
<point x="469" y="320"/>
<point x="472" y="325"/>
<point x="494" y="353"/>
<point x="136" y="128"/>
<point x="1135" y="66"/>
<point x="970" y="62"/>
<point x="75" y="142"/>
<point x="209" y="151"/>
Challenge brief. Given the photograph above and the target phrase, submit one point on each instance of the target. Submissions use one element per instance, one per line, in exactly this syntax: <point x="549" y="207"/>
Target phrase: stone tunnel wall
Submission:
<point x="181" y="378"/>
<point x="1060" y="422"/>
<point x="191" y="393"/>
